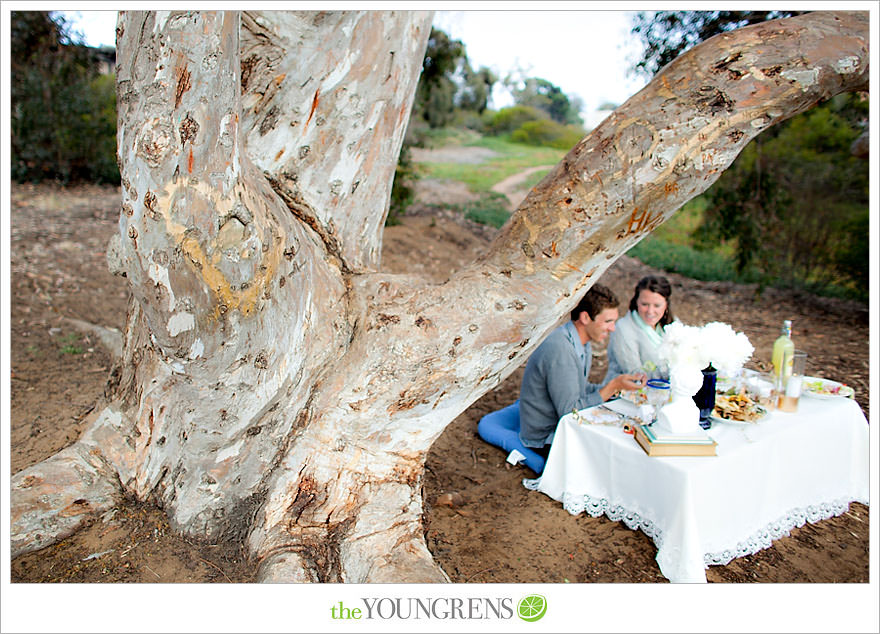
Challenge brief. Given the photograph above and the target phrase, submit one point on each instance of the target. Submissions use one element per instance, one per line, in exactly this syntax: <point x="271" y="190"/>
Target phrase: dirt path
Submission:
<point x="511" y="186"/>
<point x="503" y="533"/>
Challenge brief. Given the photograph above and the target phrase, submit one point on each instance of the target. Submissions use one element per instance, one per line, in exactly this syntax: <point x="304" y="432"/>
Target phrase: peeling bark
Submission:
<point x="273" y="386"/>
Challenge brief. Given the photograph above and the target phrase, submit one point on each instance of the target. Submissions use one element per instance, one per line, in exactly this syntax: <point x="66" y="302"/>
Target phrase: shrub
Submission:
<point x="402" y="193"/>
<point x="470" y="119"/>
<point x="548" y="133"/>
<point x="63" y="114"/>
<point x="490" y="209"/>
<point x="509" y="119"/>
<point x="795" y="200"/>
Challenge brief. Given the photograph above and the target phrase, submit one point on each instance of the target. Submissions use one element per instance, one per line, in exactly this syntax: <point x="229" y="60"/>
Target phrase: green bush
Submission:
<point x="402" y="192"/>
<point x="490" y="209"/>
<point x="852" y="250"/>
<point x="470" y="120"/>
<point x="546" y="132"/>
<point x="63" y="113"/>
<point x="509" y="119"/>
<point x="794" y="204"/>
<point x="687" y="261"/>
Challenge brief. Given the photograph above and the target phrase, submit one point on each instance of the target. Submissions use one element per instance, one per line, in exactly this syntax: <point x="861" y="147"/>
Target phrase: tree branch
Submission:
<point x="661" y="148"/>
<point x="327" y="128"/>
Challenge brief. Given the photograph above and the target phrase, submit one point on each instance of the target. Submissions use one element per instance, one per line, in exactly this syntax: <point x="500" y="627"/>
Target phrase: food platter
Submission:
<point x="815" y="387"/>
<point x="739" y="407"/>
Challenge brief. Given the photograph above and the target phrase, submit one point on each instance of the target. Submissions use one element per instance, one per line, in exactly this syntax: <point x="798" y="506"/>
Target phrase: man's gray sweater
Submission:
<point x="554" y="383"/>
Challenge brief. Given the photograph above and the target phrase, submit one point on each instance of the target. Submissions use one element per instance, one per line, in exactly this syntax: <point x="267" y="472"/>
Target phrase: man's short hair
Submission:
<point x="594" y="301"/>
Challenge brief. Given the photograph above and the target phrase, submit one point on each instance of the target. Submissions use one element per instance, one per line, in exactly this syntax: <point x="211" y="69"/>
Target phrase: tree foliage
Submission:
<point x="63" y="113"/>
<point x="435" y="95"/>
<point x="476" y="88"/>
<point x="795" y="202"/>
<point x="544" y="95"/>
<point x="449" y="83"/>
<point x="667" y="34"/>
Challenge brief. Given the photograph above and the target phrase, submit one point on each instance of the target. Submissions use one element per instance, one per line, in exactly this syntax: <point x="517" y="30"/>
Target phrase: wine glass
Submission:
<point x="657" y="391"/>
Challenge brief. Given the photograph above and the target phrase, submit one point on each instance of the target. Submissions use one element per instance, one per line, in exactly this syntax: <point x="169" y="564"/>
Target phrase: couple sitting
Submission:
<point x="556" y="379"/>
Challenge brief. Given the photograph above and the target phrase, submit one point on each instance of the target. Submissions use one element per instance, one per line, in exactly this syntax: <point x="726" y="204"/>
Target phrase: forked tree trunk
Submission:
<point x="274" y="387"/>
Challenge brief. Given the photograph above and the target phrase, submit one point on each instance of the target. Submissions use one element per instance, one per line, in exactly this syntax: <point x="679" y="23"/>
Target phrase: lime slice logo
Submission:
<point x="532" y="607"/>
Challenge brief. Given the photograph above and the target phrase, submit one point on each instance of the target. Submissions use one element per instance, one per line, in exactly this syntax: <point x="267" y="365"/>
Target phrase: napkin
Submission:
<point x="622" y="406"/>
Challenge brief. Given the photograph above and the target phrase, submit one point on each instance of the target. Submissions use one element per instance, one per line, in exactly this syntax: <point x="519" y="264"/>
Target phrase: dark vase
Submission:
<point x="705" y="398"/>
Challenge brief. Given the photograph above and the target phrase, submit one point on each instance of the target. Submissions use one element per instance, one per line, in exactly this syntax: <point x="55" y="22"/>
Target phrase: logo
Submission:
<point x="531" y="608"/>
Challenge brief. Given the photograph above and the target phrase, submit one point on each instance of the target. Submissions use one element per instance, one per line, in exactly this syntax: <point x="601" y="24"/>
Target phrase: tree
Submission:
<point x="476" y="88"/>
<point x="274" y="388"/>
<point x="62" y="120"/>
<point x="435" y="97"/>
<point x="544" y="95"/>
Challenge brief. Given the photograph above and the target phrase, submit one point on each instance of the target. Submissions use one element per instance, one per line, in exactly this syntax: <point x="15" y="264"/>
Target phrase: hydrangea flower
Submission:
<point x="715" y="343"/>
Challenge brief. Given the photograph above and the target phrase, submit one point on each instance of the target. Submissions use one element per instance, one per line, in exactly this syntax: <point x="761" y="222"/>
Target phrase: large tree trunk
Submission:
<point x="274" y="387"/>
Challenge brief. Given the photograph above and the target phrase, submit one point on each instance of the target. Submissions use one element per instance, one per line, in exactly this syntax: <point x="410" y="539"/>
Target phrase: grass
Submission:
<point x="534" y="179"/>
<point x="490" y="209"/>
<point x="69" y="344"/>
<point x="511" y="158"/>
<point x="679" y="258"/>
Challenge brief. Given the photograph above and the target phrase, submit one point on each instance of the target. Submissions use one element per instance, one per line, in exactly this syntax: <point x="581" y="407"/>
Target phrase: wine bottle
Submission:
<point x="782" y="346"/>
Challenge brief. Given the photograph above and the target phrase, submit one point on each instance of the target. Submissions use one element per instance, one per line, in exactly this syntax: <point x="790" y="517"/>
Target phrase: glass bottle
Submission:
<point x="782" y="346"/>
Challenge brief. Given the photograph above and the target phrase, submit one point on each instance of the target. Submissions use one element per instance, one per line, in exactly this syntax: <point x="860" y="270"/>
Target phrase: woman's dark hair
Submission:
<point x="656" y="285"/>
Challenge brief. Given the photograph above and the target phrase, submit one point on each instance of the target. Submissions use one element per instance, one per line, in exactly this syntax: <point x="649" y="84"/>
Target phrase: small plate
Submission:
<point x="762" y="414"/>
<point x="815" y="387"/>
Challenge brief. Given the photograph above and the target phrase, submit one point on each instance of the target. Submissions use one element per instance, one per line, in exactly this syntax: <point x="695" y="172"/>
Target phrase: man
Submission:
<point x="556" y="379"/>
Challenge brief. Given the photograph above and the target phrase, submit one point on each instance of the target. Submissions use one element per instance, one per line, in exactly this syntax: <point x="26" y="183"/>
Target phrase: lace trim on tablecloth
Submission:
<point x="577" y="504"/>
<point x="780" y="528"/>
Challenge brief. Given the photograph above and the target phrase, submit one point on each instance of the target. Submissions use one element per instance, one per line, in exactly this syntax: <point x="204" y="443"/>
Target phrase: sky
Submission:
<point x="584" y="52"/>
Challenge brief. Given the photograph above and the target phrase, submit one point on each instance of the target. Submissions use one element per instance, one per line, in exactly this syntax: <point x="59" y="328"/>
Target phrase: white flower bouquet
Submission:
<point x="688" y="350"/>
<point x="715" y="343"/>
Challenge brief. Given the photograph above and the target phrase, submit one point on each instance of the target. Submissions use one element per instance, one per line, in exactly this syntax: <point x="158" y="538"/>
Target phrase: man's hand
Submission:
<point x="623" y="382"/>
<point x="631" y="381"/>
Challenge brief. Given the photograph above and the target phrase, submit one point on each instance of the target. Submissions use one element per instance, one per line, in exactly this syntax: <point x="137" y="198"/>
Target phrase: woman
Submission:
<point x="634" y="344"/>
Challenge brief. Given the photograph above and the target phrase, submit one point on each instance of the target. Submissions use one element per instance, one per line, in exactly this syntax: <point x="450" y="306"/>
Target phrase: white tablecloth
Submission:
<point x="767" y="478"/>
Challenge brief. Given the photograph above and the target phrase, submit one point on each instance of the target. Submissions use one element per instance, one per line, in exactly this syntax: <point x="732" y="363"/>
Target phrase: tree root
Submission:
<point x="110" y="338"/>
<point x="379" y="541"/>
<point x="285" y="567"/>
<point x="53" y="499"/>
<point x="407" y="562"/>
<point x="372" y="561"/>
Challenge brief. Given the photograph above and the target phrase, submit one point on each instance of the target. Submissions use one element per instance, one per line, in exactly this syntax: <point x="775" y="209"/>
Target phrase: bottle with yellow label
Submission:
<point x="782" y="347"/>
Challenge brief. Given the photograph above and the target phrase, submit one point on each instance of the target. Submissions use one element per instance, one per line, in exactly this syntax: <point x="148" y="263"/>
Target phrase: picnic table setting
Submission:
<point x="717" y="461"/>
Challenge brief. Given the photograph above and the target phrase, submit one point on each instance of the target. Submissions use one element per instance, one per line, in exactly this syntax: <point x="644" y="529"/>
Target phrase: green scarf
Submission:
<point x="655" y="335"/>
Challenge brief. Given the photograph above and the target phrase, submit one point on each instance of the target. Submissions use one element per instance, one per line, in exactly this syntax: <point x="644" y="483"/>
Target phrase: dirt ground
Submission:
<point x="502" y="532"/>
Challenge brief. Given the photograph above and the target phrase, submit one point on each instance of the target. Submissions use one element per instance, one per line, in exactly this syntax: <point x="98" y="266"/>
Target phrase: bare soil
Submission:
<point x="498" y="532"/>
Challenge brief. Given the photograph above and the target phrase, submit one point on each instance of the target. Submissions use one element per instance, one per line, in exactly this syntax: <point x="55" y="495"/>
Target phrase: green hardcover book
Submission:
<point x="655" y="445"/>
